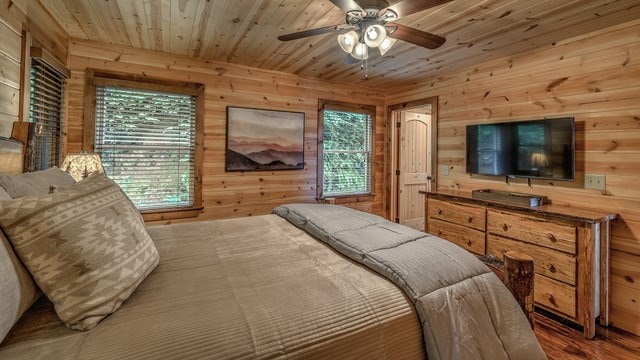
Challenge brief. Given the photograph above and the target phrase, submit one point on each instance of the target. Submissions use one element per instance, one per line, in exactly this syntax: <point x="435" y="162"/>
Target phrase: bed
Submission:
<point x="257" y="287"/>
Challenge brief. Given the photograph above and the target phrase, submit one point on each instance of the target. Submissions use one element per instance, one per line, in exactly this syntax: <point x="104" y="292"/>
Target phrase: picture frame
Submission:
<point x="264" y="140"/>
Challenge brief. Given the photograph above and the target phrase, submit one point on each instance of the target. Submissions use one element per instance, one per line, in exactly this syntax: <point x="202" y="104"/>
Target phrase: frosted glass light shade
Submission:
<point x="360" y="51"/>
<point x="390" y="15"/>
<point x="348" y="41"/>
<point x="374" y="35"/>
<point x="386" y="45"/>
<point x="79" y="166"/>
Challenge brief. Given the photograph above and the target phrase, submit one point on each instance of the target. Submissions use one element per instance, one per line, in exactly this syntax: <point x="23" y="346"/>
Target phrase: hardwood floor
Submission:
<point x="562" y="342"/>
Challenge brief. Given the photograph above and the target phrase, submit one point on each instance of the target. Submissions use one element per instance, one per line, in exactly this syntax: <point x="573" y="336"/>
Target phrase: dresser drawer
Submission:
<point x="463" y="214"/>
<point x="553" y="264"/>
<point x="532" y="230"/>
<point x="554" y="295"/>
<point x="465" y="237"/>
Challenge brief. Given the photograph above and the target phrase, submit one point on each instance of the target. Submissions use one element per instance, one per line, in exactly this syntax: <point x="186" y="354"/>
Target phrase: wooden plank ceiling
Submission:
<point x="245" y="32"/>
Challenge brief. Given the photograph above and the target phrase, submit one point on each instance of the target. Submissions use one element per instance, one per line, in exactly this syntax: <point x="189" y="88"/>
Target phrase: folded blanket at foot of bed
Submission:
<point x="466" y="311"/>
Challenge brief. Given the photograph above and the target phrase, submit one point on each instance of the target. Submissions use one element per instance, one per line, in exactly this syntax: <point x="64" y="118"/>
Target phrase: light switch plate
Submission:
<point x="594" y="181"/>
<point x="444" y="170"/>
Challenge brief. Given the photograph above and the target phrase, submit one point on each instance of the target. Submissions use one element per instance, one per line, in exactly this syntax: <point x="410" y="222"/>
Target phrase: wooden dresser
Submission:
<point x="570" y="247"/>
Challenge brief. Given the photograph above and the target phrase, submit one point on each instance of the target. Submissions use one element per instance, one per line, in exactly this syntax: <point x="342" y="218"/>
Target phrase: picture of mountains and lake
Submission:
<point x="264" y="139"/>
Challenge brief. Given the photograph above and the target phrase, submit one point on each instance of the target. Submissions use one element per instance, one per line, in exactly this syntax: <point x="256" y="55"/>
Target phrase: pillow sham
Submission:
<point x="18" y="289"/>
<point x="85" y="245"/>
<point x="34" y="183"/>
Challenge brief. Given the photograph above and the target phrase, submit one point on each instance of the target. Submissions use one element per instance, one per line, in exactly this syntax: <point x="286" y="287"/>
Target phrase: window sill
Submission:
<point x="171" y="214"/>
<point x="346" y="199"/>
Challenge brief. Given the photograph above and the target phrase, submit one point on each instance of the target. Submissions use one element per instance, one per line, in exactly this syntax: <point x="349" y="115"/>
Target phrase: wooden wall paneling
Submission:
<point x="184" y="15"/>
<point x="314" y="14"/>
<point x="136" y="21"/>
<point x="10" y="55"/>
<point x="590" y="77"/>
<point x="67" y="17"/>
<point x="46" y="31"/>
<point x="206" y="14"/>
<point x="233" y="194"/>
<point x="105" y="12"/>
<point x="266" y="47"/>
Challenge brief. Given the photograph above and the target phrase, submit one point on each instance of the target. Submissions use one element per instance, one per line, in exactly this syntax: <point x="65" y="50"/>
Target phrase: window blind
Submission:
<point x="146" y="140"/>
<point x="347" y="152"/>
<point x="46" y="110"/>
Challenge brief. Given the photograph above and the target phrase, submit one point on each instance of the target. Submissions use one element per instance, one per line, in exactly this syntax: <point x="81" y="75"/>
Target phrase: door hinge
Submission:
<point x="397" y="172"/>
<point x="397" y="221"/>
<point x="429" y="177"/>
<point x="398" y="124"/>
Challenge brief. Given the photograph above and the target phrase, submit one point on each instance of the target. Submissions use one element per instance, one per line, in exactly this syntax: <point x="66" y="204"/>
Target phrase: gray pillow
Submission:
<point x="35" y="183"/>
<point x="18" y="291"/>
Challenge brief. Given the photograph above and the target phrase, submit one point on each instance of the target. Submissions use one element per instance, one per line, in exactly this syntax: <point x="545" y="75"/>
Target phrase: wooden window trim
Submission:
<point x="346" y="107"/>
<point x="95" y="78"/>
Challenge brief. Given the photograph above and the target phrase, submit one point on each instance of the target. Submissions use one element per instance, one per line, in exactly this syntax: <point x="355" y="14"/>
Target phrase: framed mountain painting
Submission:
<point x="259" y="139"/>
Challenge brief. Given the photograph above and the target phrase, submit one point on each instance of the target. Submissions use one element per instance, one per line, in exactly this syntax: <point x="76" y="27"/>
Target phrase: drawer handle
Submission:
<point x="439" y="211"/>
<point x="552" y="268"/>
<point x="505" y="227"/>
<point x="552" y="238"/>
<point x="468" y="242"/>
<point x="439" y="232"/>
<point x="470" y="219"/>
<point x="552" y="300"/>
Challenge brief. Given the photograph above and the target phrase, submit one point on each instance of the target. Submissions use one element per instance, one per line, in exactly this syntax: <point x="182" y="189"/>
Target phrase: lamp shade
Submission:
<point x="386" y="45"/>
<point x="374" y="35"/>
<point x="79" y="166"/>
<point x="348" y="41"/>
<point x="539" y="160"/>
<point x="360" y="51"/>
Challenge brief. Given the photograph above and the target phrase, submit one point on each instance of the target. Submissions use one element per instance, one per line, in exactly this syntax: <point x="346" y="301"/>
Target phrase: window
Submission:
<point x="346" y="150"/>
<point x="46" y="111"/>
<point x="146" y="136"/>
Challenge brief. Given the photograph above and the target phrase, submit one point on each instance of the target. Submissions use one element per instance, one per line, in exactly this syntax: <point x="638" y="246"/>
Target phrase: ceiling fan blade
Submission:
<point x="346" y="5"/>
<point x="415" y="36"/>
<point x="307" y="33"/>
<point x="407" y="7"/>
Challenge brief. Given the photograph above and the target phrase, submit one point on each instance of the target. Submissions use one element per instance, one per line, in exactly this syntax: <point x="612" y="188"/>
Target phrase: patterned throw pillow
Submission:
<point x="85" y="245"/>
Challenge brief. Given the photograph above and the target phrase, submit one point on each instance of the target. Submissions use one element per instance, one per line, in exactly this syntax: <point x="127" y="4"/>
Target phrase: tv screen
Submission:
<point x="533" y="149"/>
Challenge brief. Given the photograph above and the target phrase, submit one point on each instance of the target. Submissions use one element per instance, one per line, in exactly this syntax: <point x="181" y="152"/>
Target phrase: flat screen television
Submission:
<point x="543" y="148"/>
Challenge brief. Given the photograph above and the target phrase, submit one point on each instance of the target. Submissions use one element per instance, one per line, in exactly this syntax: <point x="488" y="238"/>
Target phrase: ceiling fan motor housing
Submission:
<point x="371" y="13"/>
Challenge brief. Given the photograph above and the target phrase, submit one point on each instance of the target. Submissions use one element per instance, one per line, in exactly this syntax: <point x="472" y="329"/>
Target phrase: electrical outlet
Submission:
<point x="444" y="170"/>
<point x="594" y="181"/>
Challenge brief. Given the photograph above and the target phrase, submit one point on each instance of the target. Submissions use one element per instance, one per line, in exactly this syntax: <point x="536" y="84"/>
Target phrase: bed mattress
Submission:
<point x="243" y="288"/>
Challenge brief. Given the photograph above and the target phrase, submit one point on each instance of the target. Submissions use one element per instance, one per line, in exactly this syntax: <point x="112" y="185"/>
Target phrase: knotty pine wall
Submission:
<point x="16" y="18"/>
<point x="233" y="194"/>
<point x="595" y="78"/>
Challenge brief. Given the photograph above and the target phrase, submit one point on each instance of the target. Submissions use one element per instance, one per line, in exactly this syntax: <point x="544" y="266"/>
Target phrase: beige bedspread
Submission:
<point x="239" y="288"/>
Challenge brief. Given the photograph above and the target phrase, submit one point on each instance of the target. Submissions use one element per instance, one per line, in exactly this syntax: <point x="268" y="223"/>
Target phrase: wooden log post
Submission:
<point x="518" y="277"/>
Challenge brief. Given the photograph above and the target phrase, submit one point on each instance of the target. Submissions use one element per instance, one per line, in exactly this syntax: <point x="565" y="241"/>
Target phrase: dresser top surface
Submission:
<point x="563" y="212"/>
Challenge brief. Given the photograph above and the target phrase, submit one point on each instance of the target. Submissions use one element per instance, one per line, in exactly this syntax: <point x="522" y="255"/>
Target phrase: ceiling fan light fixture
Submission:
<point x="390" y="15"/>
<point x="360" y="51"/>
<point x="374" y="35"/>
<point x="348" y="41"/>
<point x="386" y="45"/>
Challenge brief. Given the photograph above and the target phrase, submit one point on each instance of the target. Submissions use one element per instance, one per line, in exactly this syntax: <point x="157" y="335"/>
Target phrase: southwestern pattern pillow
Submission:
<point x="85" y="245"/>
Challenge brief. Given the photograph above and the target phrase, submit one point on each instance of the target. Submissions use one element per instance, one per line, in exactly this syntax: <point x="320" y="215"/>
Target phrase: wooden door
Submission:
<point x="414" y="166"/>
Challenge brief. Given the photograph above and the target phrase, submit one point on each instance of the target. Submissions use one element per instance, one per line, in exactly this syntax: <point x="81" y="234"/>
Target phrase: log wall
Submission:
<point x="233" y="194"/>
<point x="18" y="17"/>
<point x="595" y="78"/>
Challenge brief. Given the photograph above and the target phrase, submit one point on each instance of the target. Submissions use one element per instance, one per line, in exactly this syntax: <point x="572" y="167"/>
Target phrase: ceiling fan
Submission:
<point x="370" y="25"/>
